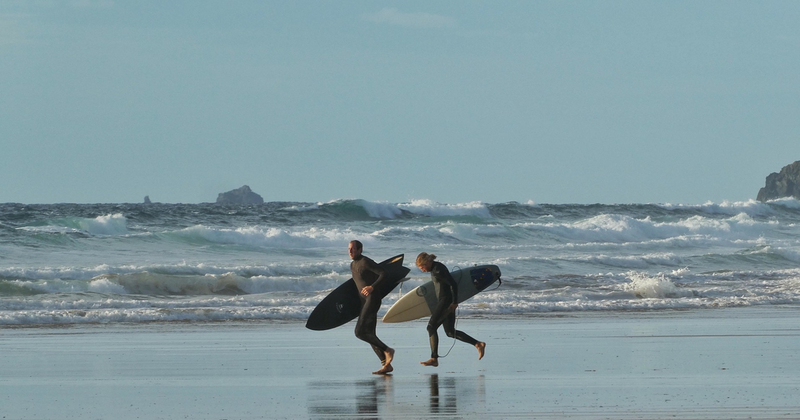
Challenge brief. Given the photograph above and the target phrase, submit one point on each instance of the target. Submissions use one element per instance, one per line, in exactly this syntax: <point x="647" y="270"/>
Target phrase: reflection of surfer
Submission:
<point x="370" y="278"/>
<point x="444" y="314"/>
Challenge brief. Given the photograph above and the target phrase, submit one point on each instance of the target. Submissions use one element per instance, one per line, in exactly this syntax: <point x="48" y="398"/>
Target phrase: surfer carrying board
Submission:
<point x="445" y="312"/>
<point x="370" y="278"/>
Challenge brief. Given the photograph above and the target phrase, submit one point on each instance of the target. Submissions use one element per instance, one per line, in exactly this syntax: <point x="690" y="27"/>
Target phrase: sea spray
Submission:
<point x="646" y="286"/>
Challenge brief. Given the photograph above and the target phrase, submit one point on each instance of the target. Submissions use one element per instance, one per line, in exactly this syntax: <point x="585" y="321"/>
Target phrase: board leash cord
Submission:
<point x="455" y="327"/>
<point x="461" y="275"/>
<point x="499" y="283"/>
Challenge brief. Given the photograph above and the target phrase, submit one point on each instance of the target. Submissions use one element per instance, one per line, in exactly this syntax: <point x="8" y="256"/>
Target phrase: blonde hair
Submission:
<point x="424" y="258"/>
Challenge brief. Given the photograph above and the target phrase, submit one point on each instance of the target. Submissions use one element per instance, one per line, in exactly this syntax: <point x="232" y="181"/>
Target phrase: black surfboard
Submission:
<point x="343" y="305"/>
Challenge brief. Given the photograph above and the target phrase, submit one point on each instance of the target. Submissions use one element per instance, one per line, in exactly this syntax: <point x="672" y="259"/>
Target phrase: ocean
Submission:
<point x="138" y="263"/>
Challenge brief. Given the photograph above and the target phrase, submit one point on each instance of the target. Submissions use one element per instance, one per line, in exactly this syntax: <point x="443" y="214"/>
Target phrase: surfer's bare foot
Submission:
<point x="389" y="356"/>
<point x="481" y="349"/>
<point x="430" y="362"/>
<point x="384" y="370"/>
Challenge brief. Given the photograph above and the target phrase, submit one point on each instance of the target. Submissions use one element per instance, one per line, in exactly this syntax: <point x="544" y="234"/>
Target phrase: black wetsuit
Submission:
<point x="446" y="292"/>
<point x="367" y="273"/>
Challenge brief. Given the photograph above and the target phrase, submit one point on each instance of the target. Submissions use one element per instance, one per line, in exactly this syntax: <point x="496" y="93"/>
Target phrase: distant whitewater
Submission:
<point x="66" y="264"/>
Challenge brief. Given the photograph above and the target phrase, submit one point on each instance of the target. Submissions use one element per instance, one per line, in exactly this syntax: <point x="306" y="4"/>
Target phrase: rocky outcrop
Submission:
<point x="240" y="196"/>
<point x="783" y="184"/>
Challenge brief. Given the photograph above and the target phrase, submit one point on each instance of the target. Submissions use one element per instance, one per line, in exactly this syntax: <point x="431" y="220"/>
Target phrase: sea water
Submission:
<point x="135" y="263"/>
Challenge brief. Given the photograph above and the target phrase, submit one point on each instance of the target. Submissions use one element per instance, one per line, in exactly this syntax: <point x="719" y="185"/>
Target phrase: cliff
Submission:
<point x="783" y="184"/>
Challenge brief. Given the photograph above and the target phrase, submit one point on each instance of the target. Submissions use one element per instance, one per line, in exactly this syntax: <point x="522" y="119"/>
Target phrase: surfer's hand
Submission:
<point x="366" y="290"/>
<point x="453" y="307"/>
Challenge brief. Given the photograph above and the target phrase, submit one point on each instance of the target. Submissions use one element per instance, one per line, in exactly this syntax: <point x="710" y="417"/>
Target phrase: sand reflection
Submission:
<point x="390" y="396"/>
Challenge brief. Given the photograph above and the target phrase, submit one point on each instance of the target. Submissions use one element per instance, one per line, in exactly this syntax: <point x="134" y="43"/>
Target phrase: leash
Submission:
<point x="455" y="326"/>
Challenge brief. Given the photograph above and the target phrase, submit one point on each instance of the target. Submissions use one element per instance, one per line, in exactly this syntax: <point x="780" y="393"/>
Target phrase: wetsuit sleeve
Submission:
<point x="443" y="275"/>
<point x="380" y="271"/>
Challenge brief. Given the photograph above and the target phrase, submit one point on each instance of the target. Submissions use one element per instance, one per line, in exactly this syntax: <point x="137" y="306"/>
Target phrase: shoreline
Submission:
<point x="703" y="312"/>
<point x="726" y="363"/>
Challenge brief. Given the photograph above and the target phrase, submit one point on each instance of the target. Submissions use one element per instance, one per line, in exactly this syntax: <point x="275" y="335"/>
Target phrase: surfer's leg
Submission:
<point x="368" y="322"/>
<point x="365" y="331"/>
<point x="433" y="338"/>
<point x="380" y="353"/>
<point x="437" y="317"/>
<point x="386" y="355"/>
<point x="450" y="329"/>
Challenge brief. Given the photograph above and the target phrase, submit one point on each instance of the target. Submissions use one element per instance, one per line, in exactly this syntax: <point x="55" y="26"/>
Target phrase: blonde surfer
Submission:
<point x="445" y="312"/>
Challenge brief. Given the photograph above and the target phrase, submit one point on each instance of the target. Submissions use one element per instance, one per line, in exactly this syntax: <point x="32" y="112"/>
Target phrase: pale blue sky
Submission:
<point x="494" y="101"/>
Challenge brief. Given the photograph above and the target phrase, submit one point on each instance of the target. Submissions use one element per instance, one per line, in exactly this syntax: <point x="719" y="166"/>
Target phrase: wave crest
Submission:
<point x="266" y="237"/>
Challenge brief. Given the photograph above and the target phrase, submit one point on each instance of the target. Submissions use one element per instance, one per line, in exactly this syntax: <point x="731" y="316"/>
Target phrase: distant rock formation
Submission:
<point x="147" y="200"/>
<point x="783" y="184"/>
<point x="240" y="196"/>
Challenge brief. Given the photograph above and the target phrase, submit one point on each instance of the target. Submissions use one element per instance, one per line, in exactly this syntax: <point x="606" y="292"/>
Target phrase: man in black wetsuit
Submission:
<point x="370" y="281"/>
<point x="445" y="311"/>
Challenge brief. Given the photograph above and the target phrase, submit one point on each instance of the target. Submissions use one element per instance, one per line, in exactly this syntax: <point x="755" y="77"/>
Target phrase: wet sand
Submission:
<point x="730" y="363"/>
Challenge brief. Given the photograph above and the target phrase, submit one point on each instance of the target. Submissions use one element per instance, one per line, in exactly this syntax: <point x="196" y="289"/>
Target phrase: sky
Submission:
<point x="107" y="101"/>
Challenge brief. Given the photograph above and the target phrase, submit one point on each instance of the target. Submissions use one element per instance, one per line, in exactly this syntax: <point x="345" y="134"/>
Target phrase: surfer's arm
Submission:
<point x="444" y="276"/>
<point x="375" y="268"/>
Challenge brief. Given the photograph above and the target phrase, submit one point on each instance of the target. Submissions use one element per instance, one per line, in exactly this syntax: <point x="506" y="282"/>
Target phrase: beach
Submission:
<point x="710" y="364"/>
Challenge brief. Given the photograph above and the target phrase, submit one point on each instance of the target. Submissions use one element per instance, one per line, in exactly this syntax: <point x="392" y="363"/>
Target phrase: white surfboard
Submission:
<point x="421" y="301"/>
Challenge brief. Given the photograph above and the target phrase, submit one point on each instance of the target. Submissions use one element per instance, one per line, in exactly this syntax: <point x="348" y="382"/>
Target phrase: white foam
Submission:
<point x="106" y="286"/>
<point x="791" y="254"/>
<point x="380" y="210"/>
<point x="287" y="298"/>
<point x="434" y="209"/>
<point x="303" y="207"/>
<point x="654" y="287"/>
<point x="472" y="232"/>
<point x="750" y="207"/>
<point x="422" y="207"/>
<point x="110" y="224"/>
<point x="375" y="209"/>
<point x="270" y="237"/>
<point x="789" y="202"/>
<point x="151" y="314"/>
<point x="67" y="273"/>
<point x="625" y="229"/>
<point x="50" y="229"/>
